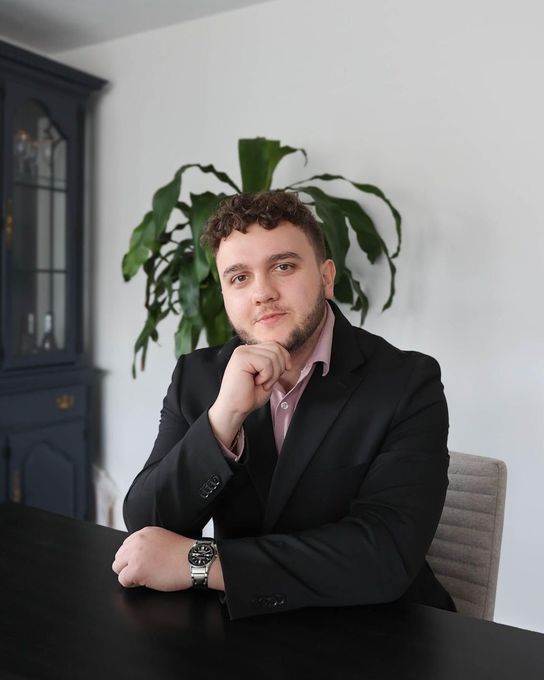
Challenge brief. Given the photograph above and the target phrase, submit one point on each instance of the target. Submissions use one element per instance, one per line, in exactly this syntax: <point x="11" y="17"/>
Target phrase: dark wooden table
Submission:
<point x="64" y="616"/>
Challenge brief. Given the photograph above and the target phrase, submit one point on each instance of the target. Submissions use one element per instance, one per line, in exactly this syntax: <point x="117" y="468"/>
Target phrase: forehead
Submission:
<point x="259" y="243"/>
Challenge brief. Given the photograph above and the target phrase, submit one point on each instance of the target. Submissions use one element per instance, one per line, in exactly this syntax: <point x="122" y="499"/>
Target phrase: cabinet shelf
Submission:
<point x="41" y="186"/>
<point x="39" y="270"/>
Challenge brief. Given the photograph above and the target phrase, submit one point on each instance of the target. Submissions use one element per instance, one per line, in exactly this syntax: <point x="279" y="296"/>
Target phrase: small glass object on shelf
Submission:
<point x="39" y="151"/>
<point x="21" y="151"/>
<point x="28" y="336"/>
<point x="48" y="343"/>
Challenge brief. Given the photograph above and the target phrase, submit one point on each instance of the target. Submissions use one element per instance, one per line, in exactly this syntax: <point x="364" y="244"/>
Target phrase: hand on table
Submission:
<point x="155" y="558"/>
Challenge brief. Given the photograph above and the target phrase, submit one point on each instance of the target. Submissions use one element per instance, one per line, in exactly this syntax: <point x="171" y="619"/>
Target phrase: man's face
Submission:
<point x="273" y="286"/>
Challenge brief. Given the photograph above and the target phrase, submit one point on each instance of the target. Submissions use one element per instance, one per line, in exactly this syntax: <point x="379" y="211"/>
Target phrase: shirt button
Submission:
<point x="284" y="405"/>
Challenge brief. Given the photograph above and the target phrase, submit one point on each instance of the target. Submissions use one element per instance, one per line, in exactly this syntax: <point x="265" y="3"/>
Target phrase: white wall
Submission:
<point x="441" y="105"/>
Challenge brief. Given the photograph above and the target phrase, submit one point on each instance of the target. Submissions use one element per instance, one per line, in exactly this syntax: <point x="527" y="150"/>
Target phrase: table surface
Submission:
<point x="63" y="615"/>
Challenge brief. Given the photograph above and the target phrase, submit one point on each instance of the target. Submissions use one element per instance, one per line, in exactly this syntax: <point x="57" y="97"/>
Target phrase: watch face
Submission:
<point x="201" y="554"/>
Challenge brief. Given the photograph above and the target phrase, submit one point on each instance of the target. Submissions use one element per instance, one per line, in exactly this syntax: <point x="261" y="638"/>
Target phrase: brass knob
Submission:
<point x="65" y="402"/>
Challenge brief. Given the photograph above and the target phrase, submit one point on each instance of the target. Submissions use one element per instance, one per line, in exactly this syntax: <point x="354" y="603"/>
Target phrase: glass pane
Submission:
<point x="39" y="149"/>
<point x="24" y="321"/>
<point x="50" y="221"/>
<point x="58" y="221"/>
<point x="38" y="244"/>
<point x="51" y="312"/>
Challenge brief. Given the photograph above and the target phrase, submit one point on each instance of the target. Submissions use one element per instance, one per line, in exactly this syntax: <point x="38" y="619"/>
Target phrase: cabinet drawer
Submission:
<point x="44" y="406"/>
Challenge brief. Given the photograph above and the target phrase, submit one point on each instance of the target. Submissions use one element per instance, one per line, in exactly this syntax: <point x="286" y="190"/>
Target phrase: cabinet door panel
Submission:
<point x="41" y="193"/>
<point x="48" y="469"/>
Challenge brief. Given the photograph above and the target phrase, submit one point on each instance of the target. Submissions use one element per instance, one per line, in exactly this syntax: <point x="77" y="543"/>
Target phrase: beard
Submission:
<point x="301" y="333"/>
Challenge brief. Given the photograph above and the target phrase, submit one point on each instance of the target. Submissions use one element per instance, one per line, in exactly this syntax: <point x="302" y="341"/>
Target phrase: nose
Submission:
<point x="264" y="291"/>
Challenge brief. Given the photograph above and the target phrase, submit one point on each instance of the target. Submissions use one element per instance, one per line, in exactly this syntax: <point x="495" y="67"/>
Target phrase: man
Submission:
<point x="318" y="449"/>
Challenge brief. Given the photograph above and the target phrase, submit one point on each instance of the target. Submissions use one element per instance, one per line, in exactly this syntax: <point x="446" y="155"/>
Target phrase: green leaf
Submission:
<point x="164" y="201"/>
<point x="213" y="267"/>
<point x="221" y="176"/>
<point x="218" y="328"/>
<point x="259" y="158"/>
<point x="368" y="189"/>
<point x="361" y="301"/>
<point x="203" y="206"/>
<point x="188" y="288"/>
<point x="393" y="271"/>
<point x="342" y="289"/>
<point x="155" y="314"/>
<point x="186" y="337"/>
<point x="371" y="189"/>
<point x="142" y="241"/>
<point x="363" y="226"/>
<point x="333" y="224"/>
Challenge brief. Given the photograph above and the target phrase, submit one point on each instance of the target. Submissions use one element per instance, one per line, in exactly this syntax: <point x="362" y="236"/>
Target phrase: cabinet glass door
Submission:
<point x="36" y="237"/>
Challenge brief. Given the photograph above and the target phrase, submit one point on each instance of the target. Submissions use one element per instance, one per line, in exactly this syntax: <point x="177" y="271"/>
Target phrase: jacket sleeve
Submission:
<point x="373" y="553"/>
<point x="184" y="475"/>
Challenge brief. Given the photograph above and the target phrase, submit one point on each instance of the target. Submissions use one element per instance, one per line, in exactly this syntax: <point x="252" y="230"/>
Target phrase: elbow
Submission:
<point x="136" y="516"/>
<point x="129" y="515"/>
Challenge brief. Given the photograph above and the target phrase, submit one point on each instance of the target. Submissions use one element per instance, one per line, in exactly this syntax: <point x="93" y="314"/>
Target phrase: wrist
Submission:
<point x="215" y="576"/>
<point x="225" y="425"/>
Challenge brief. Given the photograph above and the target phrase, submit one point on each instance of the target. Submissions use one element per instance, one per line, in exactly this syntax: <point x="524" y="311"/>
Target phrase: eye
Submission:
<point x="239" y="278"/>
<point x="284" y="266"/>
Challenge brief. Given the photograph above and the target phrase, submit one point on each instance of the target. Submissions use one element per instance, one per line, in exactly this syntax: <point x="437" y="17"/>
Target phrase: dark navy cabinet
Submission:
<point x="46" y="377"/>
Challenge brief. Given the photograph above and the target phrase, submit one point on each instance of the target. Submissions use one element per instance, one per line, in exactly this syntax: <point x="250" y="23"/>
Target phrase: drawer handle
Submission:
<point x="17" y="494"/>
<point x="65" y="402"/>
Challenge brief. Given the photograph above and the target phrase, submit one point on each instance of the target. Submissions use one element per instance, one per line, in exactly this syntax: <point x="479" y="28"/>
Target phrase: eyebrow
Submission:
<point x="240" y="266"/>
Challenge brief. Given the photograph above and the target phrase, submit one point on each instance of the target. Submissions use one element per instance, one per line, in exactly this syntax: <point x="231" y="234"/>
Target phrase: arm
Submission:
<point x="185" y="473"/>
<point x="187" y="469"/>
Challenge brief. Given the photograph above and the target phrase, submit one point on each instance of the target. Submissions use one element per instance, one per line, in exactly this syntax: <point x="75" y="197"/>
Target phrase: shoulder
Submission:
<point x="213" y="358"/>
<point x="202" y="366"/>
<point x="353" y="347"/>
<point x="378" y="349"/>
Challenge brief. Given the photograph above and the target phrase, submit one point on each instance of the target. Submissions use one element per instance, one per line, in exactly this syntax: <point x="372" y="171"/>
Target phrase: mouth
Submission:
<point x="270" y="318"/>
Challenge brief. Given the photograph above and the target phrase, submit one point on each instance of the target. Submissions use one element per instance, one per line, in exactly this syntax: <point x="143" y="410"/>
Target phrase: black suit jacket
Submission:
<point x="345" y="515"/>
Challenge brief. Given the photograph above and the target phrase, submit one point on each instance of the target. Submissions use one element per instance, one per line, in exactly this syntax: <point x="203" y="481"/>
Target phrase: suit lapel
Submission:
<point x="318" y="409"/>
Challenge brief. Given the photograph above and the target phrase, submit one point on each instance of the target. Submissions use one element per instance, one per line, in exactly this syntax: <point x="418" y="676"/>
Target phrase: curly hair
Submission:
<point x="268" y="209"/>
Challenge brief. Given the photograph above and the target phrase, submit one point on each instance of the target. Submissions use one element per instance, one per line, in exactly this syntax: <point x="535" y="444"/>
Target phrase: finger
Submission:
<point x="265" y="366"/>
<point x="118" y="565"/>
<point x="285" y="355"/>
<point x="127" y="580"/>
<point x="275" y="353"/>
<point x="268" y="377"/>
<point x="282" y="363"/>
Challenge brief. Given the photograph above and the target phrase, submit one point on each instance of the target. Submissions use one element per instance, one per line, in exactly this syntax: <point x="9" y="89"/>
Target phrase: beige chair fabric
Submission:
<point x="464" y="554"/>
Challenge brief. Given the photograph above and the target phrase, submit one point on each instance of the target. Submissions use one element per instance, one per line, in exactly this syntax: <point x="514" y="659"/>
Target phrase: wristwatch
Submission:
<point x="201" y="555"/>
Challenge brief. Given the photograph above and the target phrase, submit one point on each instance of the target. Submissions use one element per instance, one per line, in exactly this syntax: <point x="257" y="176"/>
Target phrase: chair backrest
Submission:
<point x="464" y="554"/>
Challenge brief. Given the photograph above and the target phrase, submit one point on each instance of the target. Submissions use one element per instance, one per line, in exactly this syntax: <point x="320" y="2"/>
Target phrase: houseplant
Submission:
<point x="181" y="276"/>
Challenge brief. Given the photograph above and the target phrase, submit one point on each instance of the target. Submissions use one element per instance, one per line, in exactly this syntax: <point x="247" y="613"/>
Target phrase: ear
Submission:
<point x="328" y="272"/>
